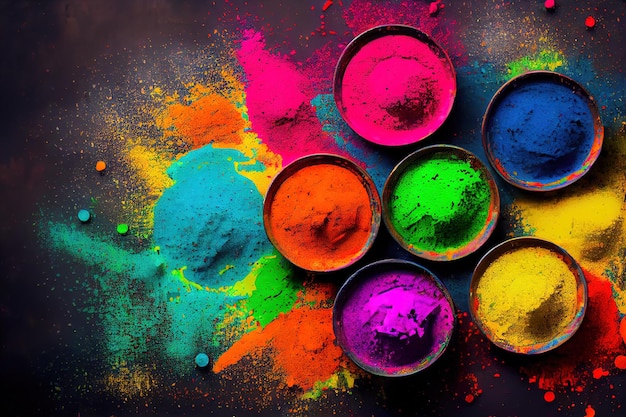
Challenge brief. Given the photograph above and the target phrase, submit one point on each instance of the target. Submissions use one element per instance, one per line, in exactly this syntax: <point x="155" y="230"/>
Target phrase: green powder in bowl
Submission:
<point x="441" y="203"/>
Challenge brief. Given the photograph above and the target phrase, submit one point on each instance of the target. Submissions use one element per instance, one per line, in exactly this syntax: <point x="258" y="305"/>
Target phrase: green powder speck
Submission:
<point x="440" y="205"/>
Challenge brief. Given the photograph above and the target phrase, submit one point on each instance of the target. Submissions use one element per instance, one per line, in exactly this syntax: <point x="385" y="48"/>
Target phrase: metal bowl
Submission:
<point x="426" y="154"/>
<point x="579" y="302"/>
<point x="393" y="318"/>
<point x="426" y="99"/>
<point x="317" y="261"/>
<point x="531" y="160"/>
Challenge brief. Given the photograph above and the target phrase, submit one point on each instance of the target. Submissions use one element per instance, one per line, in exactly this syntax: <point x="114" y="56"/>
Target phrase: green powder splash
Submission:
<point x="544" y="60"/>
<point x="440" y="204"/>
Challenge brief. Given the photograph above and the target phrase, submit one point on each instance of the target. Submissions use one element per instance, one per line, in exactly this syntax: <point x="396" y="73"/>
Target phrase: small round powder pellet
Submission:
<point x="84" y="215"/>
<point x="122" y="228"/>
<point x="202" y="360"/>
<point x="101" y="166"/>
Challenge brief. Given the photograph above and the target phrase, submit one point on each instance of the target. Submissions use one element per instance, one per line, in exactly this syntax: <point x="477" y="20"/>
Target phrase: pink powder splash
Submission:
<point x="278" y="97"/>
<point x="396" y="90"/>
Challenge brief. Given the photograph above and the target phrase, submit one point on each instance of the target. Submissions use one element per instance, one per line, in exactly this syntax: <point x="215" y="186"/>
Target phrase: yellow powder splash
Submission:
<point x="527" y="296"/>
<point x="207" y="115"/>
<point x="128" y="383"/>
<point x="587" y="217"/>
<point x="151" y="179"/>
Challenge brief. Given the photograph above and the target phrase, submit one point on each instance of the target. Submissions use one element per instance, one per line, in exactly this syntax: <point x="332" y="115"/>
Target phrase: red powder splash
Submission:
<point x="279" y="102"/>
<point x="599" y="373"/>
<point x="622" y="329"/>
<point x="596" y="343"/>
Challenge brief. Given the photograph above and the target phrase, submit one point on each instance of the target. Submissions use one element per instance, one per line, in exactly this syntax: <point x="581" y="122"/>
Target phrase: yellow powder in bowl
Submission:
<point x="527" y="299"/>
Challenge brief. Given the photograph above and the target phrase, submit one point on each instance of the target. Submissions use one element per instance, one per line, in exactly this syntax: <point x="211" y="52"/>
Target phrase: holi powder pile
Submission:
<point x="191" y="152"/>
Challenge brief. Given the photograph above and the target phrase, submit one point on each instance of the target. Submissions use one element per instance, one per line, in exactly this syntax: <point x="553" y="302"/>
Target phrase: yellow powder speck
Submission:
<point x="526" y="297"/>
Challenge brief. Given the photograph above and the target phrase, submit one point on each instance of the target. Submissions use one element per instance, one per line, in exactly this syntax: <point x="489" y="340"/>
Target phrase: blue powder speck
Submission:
<point x="541" y="131"/>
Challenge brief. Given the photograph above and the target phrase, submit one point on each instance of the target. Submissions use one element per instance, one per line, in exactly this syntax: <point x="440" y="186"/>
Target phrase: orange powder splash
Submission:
<point x="321" y="217"/>
<point x="303" y="342"/>
<point x="207" y="116"/>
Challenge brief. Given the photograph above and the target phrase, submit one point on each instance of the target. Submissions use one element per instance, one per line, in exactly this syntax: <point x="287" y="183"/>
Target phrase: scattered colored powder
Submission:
<point x="620" y="362"/>
<point x="583" y="222"/>
<point x="321" y="217"/>
<point x="545" y="59"/>
<point x="589" y="411"/>
<point x="439" y="205"/>
<point x="596" y="342"/>
<point x="218" y="117"/>
<point x="393" y="318"/>
<point x="303" y="342"/>
<point x="549" y="396"/>
<point x="276" y="290"/>
<point x="540" y="132"/>
<point x="101" y="166"/>
<point x="210" y="218"/>
<point x="396" y="89"/>
<point x="283" y="118"/>
<point x="526" y="297"/>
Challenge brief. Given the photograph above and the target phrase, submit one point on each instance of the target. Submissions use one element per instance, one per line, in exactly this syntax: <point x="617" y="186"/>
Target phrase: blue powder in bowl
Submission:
<point x="540" y="132"/>
<point x="211" y="219"/>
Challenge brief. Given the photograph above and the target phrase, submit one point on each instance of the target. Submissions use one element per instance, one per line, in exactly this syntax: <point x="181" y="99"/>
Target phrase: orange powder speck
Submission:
<point x="620" y="362"/>
<point x="589" y="411"/>
<point x="303" y="342"/>
<point x="101" y="166"/>
<point x="549" y="396"/>
<point x="599" y="373"/>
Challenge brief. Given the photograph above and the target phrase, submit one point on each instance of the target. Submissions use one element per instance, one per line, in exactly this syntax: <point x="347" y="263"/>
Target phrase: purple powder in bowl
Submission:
<point x="393" y="318"/>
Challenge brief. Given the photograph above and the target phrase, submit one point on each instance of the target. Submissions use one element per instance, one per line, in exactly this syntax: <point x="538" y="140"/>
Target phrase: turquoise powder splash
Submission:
<point x="210" y="220"/>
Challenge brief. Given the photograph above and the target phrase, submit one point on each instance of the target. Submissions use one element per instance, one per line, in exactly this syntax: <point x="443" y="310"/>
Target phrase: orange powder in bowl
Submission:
<point x="322" y="212"/>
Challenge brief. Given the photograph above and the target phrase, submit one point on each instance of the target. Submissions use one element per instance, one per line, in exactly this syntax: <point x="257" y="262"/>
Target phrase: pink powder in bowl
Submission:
<point x="394" y="85"/>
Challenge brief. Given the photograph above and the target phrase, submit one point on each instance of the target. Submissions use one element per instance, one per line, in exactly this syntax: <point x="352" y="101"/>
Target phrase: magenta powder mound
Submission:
<point x="393" y="318"/>
<point x="394" y="85"/>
